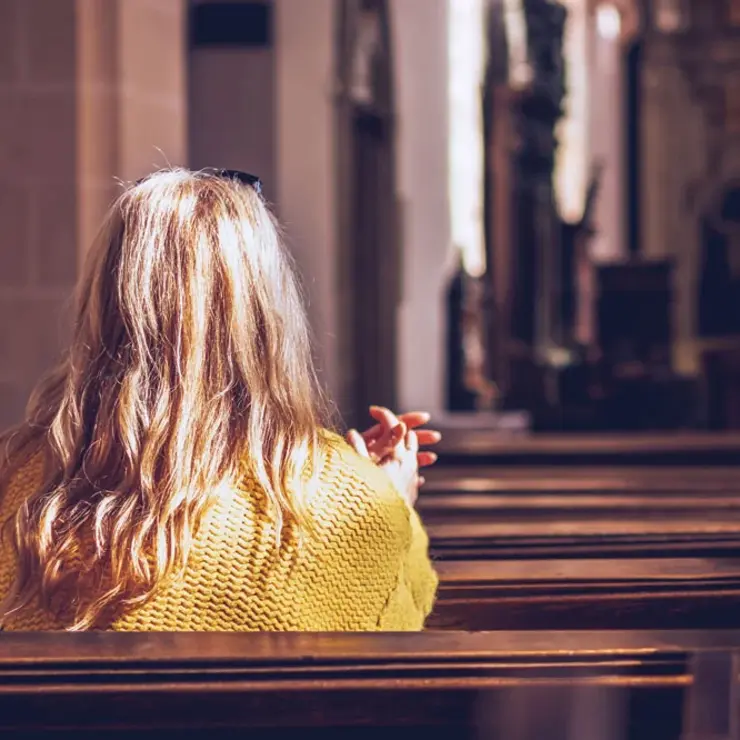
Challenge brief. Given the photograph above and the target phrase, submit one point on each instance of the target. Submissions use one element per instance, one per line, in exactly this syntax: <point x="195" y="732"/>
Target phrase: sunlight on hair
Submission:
<point x="189" y="366"/>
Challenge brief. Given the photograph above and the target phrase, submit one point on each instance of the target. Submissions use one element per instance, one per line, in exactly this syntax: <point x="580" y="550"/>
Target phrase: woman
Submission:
<point x="174" y="472"/>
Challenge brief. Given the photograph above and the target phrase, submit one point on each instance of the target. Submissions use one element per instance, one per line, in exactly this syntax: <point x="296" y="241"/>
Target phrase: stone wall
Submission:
<point x="90" y="91"/>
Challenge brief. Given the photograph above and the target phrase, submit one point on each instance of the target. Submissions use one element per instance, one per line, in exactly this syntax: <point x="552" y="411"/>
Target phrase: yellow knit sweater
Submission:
<point x="366" y="566"/>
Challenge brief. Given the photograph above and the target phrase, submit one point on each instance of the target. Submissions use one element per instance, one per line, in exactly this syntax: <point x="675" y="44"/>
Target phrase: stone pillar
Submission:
<point x="573" y="156"/>
<point x="88" y="90"/>
<point x="674" y="142"/>
<point x="131" y="97"/>
<point x="306" y="173"/>
<point x="38" y="233"/>
<point x="658" y="75"/>
<point x="306" y="162"/>
<point x="606" y="135"/>
<point x="420" y="36"/>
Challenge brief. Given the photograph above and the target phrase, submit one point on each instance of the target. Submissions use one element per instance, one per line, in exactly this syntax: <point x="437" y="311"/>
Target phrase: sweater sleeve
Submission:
<point x="412" y="601"/>
<point x="394" y="547"/>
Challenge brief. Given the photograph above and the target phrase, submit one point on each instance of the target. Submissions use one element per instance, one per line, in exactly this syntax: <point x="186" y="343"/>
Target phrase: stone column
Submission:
<point x="420" y="36"/>
<point x="656" y="99"/>
<point x="38" y="233"/>
<point x="306" y="174"/>
<point x="674" y="142"/>
<point x="131" y="97"/>
<point x="88" y="90"/>
<point x="306" y="162"/>
<point x="606" y="135"/>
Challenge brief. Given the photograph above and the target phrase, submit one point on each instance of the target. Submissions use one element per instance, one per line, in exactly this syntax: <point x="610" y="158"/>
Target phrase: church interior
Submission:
<point x="522" y="216"/>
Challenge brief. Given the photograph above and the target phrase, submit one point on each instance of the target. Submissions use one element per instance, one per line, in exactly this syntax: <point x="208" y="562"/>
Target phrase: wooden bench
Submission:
<point x="687" y="593"/>
<point x="585" y="548"/>
<point x="486" y="447"/>
<point x="495" y="513"/>
<point x="326" y="686"/>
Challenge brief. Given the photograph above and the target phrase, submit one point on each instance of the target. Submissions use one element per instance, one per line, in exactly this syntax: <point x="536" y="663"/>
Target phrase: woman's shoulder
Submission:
<point x="355" y="485"/>
<point x="343" y="465"/>
<point x="22" y="475"/>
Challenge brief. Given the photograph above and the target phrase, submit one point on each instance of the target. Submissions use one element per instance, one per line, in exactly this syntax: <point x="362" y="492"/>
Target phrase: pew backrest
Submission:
<point x="311" y="683"/>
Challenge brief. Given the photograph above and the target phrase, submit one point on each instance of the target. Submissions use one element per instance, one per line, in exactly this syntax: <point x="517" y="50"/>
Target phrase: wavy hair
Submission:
<point x="190" y="358"/>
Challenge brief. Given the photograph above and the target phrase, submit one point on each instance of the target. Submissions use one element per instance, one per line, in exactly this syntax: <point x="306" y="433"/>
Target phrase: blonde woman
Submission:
<point x="175" y="471"/>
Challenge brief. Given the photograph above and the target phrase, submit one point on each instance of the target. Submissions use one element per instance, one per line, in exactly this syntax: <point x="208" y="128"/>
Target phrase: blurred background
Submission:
<point x="517" y="214"/>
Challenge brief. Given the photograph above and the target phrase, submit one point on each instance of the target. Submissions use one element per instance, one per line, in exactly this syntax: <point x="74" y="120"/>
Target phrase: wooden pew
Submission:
<point x="167" y="686"/>
<point x="611" y="512"/>
<point x="585" y="548"/>
<point x="588" y="594"/>
<point x="461" y="446"/>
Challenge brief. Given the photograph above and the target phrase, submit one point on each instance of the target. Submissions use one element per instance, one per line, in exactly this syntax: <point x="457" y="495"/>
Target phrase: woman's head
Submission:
<point x="190" y="356"/>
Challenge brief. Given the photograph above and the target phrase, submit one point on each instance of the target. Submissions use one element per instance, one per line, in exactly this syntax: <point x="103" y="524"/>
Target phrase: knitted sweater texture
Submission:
<point x="363" y="567"/>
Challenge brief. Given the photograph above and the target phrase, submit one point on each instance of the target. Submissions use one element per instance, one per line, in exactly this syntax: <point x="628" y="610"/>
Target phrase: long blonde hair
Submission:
<point x="190" y="355"/>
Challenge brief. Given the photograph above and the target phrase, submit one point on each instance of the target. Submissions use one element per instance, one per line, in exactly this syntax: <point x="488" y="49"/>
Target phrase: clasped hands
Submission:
<point x="394" y="444"/>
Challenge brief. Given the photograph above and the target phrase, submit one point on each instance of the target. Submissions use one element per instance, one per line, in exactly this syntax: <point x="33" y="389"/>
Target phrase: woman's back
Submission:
<point x="362" y="567"/>
<point x="185" y="480"/>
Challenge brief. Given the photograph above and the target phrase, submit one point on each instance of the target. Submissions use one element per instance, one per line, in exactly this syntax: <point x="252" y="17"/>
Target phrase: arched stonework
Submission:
<point x="369" y="252"/>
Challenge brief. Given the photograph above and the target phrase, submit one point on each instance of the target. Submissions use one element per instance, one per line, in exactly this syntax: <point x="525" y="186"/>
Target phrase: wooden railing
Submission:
<point x="313" y="685"/>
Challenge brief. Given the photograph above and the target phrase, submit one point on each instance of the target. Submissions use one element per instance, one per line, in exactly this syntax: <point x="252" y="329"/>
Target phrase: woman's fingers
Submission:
<point x="428" y="436"/>
<point x="374" y="432"/>
<point x="381" y="439"/>
<point x="413" y="419"/>
<point x="354" y="438"/>
<point x="387" y="433"/>
<point x="426" y="458"/>
<point x="385" y="416"/>
<point x="388" y="419"/>
<point x="412" y="442"/>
